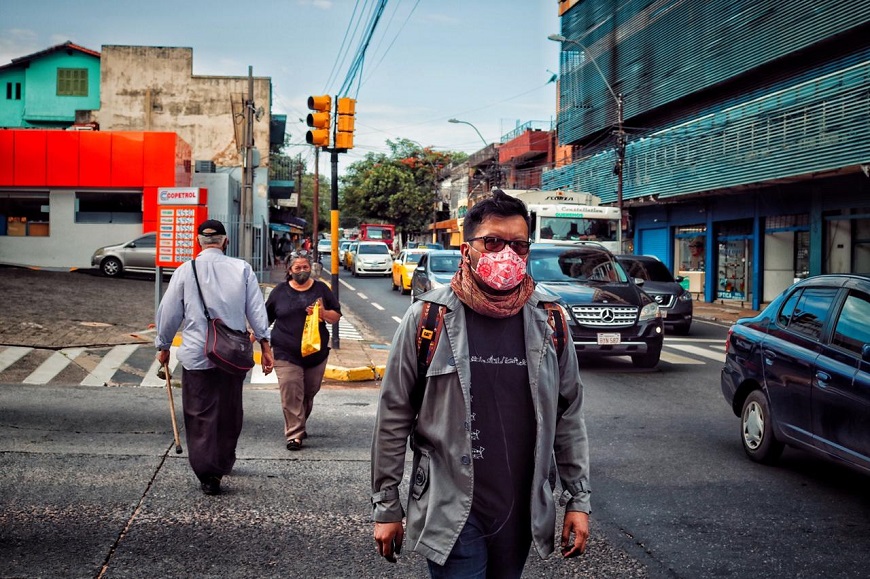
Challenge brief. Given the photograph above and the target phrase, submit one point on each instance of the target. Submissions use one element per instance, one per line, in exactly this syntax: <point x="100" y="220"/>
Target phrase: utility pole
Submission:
<point x="316" y="201"/>
<point x="619" y="168"/>
<point x="247" y="201"/>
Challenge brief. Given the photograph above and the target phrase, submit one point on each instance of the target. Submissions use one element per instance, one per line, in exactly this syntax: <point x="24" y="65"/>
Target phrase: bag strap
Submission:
<point x="199" y="289"/>
<point x="560" y="327"/>
<point x="428" y="332"/>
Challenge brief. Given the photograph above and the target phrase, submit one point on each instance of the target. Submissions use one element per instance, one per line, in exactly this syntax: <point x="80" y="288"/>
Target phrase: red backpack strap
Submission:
<point x="557" y="321"/>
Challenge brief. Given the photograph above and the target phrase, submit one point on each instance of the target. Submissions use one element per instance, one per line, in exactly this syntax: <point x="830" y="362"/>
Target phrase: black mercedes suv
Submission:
<point x="609" y="314"/>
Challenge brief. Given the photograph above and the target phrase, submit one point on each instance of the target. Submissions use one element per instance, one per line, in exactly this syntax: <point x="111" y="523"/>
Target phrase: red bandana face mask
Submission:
<point x="501" y="271"/>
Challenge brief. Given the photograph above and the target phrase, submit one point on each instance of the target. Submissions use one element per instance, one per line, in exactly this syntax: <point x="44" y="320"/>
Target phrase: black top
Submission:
<point x="502" y="419"/>
<point x="286" y="307"/>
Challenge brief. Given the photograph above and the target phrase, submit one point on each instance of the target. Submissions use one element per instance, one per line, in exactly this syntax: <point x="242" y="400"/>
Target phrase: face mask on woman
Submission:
<point x="502" y="270"/>
<point x="300" y="277"/>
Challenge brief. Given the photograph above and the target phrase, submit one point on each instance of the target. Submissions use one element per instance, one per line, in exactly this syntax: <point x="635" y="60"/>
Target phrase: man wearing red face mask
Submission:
<point x="500" y="412"/>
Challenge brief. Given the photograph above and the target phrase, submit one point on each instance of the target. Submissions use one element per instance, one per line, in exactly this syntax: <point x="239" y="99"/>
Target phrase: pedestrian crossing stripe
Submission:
<point x="136" y="364"/>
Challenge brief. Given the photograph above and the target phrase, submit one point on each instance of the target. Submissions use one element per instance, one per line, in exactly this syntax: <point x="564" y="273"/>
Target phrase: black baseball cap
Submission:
<point x="211" y="227"/>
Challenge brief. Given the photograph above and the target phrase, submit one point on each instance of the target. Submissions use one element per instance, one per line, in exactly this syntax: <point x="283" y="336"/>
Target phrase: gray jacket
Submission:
<point x="442" y="479"/>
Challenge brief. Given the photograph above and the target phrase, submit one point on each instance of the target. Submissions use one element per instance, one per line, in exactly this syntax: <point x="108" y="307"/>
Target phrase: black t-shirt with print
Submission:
<point x="503" y="418"/>
<point x="286" y="307"/>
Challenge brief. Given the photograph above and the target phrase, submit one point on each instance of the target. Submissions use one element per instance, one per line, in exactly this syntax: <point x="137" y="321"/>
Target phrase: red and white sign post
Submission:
<point x="179" y="211"/>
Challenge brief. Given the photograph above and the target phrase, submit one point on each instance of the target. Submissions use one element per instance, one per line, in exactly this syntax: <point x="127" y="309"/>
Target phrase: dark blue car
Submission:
<point x="798" y="374"/>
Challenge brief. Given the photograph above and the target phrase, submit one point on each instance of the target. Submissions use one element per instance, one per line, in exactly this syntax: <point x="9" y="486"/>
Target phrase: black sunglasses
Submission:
<point x="300" y="253"/>
<point x="492" y="243"/>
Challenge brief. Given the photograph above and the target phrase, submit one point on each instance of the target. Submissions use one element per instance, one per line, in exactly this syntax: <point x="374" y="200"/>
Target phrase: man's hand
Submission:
<point x="163" y="357"/>
<point x="576" y="524"/>
<point x="388" y="538"/>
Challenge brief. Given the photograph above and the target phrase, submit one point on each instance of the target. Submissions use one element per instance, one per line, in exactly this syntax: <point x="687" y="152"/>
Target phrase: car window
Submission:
<point x="811" y="311"/>
<point x="445" y="264"/>
<point x="787" y="309"/>
<point x="413" y="257"/>
<point x="852" y="330"/>
<point x="375" y="249"/>
<point x="146" y="241"/>
<point x="649" y="270"/>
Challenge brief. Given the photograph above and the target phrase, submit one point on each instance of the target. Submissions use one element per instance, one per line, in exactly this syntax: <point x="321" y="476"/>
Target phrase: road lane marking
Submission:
<point x="377" y="306"/>
<point x="347" y="285"/>
<point x="107" y="367"/>
<point x="53" y="366"/>
<point x="398" y="320"/>
<point x="695" y="340"/>
<point x="362" y="295"/>
<point x="11" y="355"/>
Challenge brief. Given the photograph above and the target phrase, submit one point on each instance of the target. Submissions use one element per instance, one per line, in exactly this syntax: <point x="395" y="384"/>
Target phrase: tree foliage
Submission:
<point x="399" y="187"/>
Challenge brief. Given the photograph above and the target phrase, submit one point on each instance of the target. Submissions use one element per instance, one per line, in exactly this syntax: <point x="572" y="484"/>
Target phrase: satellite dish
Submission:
<point x="259" y="114"/>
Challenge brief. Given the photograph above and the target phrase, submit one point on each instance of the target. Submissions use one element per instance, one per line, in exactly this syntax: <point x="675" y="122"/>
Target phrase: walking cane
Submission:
<point x="172" y="409"/>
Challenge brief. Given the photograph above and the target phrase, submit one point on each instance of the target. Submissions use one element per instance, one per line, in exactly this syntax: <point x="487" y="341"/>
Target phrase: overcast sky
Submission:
<point x="487" y="62"/>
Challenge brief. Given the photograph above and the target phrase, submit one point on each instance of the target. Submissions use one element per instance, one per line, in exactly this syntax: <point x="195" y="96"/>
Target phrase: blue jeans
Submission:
<point x="479" y="554"/>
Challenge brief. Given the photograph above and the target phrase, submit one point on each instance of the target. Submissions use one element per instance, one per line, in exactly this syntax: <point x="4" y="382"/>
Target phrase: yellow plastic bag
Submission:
<point x="311" y="331"/>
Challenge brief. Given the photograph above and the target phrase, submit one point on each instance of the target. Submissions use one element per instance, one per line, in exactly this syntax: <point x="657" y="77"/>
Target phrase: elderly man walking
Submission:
<point x="211" y="397"/>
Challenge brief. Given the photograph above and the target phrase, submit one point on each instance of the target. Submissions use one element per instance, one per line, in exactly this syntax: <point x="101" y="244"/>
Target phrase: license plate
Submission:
<point x="605" y="339"/>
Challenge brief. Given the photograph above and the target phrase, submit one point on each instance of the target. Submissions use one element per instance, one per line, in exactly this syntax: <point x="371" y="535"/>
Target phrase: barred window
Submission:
<point x="72" y="82"/>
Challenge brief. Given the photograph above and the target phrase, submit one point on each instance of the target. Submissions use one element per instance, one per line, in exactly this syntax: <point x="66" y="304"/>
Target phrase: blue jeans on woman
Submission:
<point x="480" y="553"/>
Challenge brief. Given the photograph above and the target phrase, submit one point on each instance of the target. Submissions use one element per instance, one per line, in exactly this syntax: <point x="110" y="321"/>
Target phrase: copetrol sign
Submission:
<point x="178" y="196"/>
<point x="179" y="211"/>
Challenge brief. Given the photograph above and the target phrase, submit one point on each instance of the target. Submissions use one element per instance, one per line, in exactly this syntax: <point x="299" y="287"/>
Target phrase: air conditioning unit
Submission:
<point x="204" y="167"/>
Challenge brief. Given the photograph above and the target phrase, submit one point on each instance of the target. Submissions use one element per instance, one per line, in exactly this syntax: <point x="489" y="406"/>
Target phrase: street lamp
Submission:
<point x="620" y="134"/>
<point x="497" y="167"/>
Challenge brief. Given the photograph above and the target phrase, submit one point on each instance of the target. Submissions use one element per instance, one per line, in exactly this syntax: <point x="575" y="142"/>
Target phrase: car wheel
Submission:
<point x="756" y="430"/>
<point x="393" y="285"/>
<point x="402" y="288"/>
<point x="354" y="272"/>
<point x="648" y="360"/>
<point x="112" y="267"/>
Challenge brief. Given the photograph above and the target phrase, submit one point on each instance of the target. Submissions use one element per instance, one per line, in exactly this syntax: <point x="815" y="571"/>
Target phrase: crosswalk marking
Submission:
<point x="151" y="379"/>
<point x="672" y="358"/>
<point x="109" y="364"/>
<point x="703" y="352"/>
<point x="119" y="365"/>
<point x="11" y="355"/>
<point x="53" y="366"/>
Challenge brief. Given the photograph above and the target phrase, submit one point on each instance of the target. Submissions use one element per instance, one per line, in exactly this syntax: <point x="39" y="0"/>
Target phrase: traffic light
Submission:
<point x="344" y="123"/>
<point x="319" y="121"/>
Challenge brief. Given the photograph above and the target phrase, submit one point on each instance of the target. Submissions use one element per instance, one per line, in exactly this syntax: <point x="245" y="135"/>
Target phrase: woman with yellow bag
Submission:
<point x="300" y="355"/>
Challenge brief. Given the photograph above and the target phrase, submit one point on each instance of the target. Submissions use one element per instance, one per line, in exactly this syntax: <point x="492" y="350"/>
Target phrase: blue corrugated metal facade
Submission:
<point x="741" y="117"/>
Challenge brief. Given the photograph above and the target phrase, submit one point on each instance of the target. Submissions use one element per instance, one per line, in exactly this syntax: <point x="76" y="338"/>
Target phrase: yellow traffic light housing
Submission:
<point x="320" y="120"/>
<point x="345" y="123"/>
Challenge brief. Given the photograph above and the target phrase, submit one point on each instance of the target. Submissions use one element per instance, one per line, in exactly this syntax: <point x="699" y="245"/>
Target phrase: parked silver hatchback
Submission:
<point x="139" y="255"/>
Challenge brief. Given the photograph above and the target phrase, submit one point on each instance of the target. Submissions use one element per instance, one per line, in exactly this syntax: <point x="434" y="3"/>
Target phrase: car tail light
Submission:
<point x="728" y="339"/>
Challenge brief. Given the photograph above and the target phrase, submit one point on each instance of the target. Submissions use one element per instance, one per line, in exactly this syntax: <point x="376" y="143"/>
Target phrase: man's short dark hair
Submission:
<point x="500" y="204"/>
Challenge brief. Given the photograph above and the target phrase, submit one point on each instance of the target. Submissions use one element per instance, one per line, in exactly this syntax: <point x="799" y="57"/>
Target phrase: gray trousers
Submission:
<point x="213" y="414"/>
<point x="298" y="387"/>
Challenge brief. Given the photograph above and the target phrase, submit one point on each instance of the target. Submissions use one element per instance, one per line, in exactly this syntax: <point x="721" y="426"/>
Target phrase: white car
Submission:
<point x="372" y="258"/>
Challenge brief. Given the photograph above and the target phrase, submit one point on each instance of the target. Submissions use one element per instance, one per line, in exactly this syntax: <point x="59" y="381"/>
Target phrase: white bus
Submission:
<point x="565" y="216"/>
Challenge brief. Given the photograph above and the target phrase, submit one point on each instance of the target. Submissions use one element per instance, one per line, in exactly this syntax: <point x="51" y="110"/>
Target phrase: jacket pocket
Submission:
<point x="421" y="477"/>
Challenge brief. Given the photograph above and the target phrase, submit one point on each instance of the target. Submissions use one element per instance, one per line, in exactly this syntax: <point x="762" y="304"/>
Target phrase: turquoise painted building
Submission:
<point x="46" y="88"/>
<point x="735" y="135"/>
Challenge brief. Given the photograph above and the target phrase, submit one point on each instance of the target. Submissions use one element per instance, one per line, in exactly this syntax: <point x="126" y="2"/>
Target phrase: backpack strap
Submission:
<point x="428" y="332"/>
<point x="556" y="319"/>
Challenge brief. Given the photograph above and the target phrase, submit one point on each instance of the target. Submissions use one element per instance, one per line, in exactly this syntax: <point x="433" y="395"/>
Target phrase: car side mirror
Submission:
<point x="865" y="353"/>
<point x="679" y="278"/>
<point x="638" y="281"/>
